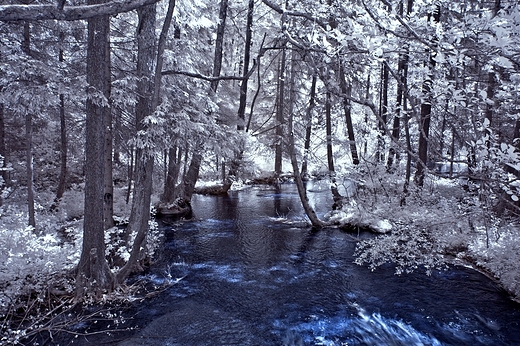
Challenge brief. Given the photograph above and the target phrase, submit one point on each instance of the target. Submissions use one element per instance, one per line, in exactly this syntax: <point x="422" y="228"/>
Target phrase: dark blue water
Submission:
<point x="253" y="274"/>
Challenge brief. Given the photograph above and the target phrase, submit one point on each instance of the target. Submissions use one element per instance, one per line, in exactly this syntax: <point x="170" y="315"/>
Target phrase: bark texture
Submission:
<point x="94" y="276"/>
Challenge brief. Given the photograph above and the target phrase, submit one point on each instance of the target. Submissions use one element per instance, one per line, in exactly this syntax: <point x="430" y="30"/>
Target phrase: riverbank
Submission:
<point x="443" y="224"/>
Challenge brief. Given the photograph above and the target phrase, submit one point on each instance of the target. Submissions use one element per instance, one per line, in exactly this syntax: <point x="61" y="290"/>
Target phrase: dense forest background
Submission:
<point x="109" y="111"/>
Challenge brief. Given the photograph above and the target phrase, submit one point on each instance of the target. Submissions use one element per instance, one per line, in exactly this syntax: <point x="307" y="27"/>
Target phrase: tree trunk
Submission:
<point x="217" y="61"/>
<point x="30" y="169"/>
<point x="108" y="199"/>
<point x="26" y="48"/>
<point x="247" y="54"/>
<point x="192" y="175"/>
<point x="336" y="196"/>
<point x="309" y="211"/>
<point x="172" y="175"/>
<point x="402" y="72"/>
<point x="383" y="113"/>
<point x="140" y="214"/>
<point x="3" y="152"/>
<point x="308" y="128"/>
<point x="278" y="157"/>
<point x="425" y="116"/>
<point x="63" y="137"/>
<point x="94" y="276"/>
<point x="130" y="174"/>
<point x="346" y="89"/>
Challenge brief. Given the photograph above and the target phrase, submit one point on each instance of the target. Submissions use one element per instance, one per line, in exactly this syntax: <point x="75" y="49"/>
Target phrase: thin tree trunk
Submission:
<point x="383" y="113"/>
<point x="30" y="170"/>
<point x="63" y="137"/>
<point x="3" y="152"/>
<point x="346" y="90"/>
<point x="278" y="157"/>
<point x="308" y="128"/>
<point x="338" y="204"/>
<point x="402" y="72"/>
<point x="130" y="175"/>
<point x="309" y="211"/>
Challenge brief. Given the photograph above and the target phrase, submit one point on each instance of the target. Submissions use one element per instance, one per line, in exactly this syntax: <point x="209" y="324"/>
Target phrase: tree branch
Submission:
<point x="281" y="11"/>
<point x="69" y="13"/>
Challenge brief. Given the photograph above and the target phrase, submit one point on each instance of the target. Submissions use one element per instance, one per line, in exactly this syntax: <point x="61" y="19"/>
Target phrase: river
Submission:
<point x="254" y="274"/>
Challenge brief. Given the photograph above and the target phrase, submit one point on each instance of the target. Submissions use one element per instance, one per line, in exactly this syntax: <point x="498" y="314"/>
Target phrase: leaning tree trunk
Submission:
<point x="140" y="214"/>
<point x="93" y="275"/>
<point x="308" y="128"/>
<point x="302" y="192"/>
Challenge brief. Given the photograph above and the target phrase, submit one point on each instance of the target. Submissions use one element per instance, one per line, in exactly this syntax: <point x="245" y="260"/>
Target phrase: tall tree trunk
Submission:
<point x="425" y="116"/>
<point x="346" y="90"/>
<point x="63" y="137"/>
<point x="383" y="113"/>
<point x="108" y="199"/>
<point x="219" y="43"/>
<point x="130" y="174"/>
<point x="408" y="168"/>
<point x="140" y="213"/>
<point x="278" y="157"/>
<point x="235" y="162"/>
<point x="338" y="204"/>
<point x="94" y="275"/>
<point x="402" y="72"/>
<point x="3" y="152"/>
<point x="302" y="192"/>
<point x="148" y="91"/>
<point x="26" y="48"/>
<point x="247" y="54"/>
<point x="308" y="128"/>
<point x="30" y="168"/>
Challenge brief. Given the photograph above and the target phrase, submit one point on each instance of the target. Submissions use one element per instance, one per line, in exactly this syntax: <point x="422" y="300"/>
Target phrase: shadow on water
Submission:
<point x="253" y="274"/>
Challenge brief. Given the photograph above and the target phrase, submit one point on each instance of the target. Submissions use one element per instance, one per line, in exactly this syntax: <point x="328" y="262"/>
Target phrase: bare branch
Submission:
<point x="200" y="76"/>
<point x="281" y="11"/>
<point x="69" y="13"/>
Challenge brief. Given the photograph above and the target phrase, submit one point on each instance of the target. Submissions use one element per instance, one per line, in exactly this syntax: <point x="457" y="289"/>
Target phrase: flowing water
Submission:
<point x="253" y="274"/>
